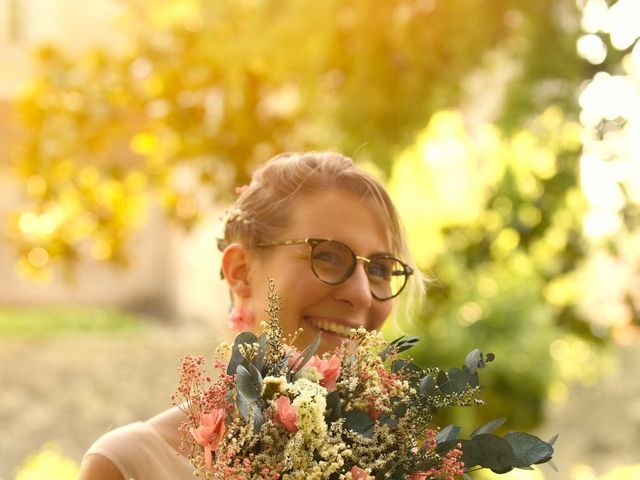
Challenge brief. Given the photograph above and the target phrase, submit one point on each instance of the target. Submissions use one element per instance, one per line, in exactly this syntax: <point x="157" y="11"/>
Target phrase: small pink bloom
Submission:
<point x="358" y="473"/>
<point x="286" y="413"/>
<point x="241" y="319"/>
<point x="210" y="432"/>
<point x="329" y="369"/>
<point x="240" y="189"/>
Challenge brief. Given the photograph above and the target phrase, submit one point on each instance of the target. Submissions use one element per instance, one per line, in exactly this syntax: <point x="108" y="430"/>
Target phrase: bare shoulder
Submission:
<point x="167" y="423"/>
<point x="97" y="467"/>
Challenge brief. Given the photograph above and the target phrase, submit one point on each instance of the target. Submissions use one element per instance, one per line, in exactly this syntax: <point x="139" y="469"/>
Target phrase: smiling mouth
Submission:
<point x="331" y="327"/>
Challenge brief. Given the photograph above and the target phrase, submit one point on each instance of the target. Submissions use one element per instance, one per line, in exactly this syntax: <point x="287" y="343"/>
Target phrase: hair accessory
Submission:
<point x="241" y="318"/>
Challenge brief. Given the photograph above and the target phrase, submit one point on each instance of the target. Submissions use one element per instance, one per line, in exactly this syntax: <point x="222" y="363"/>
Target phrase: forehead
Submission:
<point x="340" y="215"/>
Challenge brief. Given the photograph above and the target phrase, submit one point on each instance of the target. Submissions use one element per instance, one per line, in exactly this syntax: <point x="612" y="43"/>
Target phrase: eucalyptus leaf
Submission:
<point x="457" y="379"/>
<point x="528" y="449"/>
<point x="473" y="379"/>
<point x="334" y="407"/>
<point x="489" y="427"/>
<point x="246" y="338"/>
<point x="427" y="385"/>
<point x="495" y="452"/>
<point x="399" y="409"/>
<point x="406" y="366"/>
<point x="259" y="360"/>
<point x="471" y="453"/>
<point x="244" y="405"/>
<point x="472" y="359"/>
<point x="443" y="383"/>
<point x="448" y="433"/>
<point x="359" y="422"/>
<point x="250" y="411"/>
<point x="249" y="382"/>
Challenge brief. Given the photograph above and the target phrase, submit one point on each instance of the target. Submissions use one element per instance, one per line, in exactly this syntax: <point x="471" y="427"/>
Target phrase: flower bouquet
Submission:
<point x="360" y="412"/>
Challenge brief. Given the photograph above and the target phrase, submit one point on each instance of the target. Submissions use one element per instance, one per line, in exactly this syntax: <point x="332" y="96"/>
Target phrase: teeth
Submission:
<point x="331" y="327"/>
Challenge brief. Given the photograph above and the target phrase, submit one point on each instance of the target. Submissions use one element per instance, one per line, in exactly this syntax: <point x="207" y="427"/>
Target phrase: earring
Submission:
<point x="241" y="319"/>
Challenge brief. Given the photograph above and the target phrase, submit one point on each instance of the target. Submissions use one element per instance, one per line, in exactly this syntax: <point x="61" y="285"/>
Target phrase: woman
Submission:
<point x="329" y="236"/>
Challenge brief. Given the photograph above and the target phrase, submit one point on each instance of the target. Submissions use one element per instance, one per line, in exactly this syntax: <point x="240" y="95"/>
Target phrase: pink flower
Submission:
<point x="358" y="473"/>
<point x="210" y="432"/>
<point x="329" y="369"/>
<point x="286" y="413"/>
<point x="241" y="319"/>
<point x="417" y="476"/>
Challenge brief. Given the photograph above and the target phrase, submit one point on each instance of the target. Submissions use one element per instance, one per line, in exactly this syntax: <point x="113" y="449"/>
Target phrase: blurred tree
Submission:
<point x="498" y="219"/>
<point x="210" y="88"/>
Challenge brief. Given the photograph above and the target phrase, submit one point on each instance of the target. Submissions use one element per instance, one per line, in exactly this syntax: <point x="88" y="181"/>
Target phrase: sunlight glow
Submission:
<point x="592" y="48"/>
<point x="594" y="14"/>
<point x="610" y="165"/>
<point x="610" y="97"/>
<point x="624" y="23"/>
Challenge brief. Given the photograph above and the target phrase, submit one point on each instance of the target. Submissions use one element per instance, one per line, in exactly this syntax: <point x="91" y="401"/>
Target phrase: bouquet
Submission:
<point x="360" y="412"/>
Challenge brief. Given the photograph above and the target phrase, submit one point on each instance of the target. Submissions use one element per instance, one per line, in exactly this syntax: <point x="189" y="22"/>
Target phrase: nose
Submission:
<point x="355" y="290"/>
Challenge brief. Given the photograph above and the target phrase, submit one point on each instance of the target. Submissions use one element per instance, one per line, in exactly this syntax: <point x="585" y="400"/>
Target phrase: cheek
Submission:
<point x="380" y="313"/>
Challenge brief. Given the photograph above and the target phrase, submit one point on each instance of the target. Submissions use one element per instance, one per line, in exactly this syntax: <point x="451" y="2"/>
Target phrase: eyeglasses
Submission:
<point x="333" y="262"/>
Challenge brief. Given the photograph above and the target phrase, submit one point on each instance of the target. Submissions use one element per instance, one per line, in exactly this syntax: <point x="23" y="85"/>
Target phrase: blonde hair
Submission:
<point x="262" y="208"/>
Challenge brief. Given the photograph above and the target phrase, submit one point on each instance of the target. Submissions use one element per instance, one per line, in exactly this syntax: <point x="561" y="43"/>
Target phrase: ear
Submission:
<point x="236" y="263"/>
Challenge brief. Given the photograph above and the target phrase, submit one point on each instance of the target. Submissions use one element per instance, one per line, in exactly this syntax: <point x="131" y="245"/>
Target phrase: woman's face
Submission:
<point x="307" y="302"/>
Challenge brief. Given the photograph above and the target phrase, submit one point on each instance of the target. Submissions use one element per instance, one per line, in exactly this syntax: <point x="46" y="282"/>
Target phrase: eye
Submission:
<point x="381" y="269"/>
<point x="328" y="257"/>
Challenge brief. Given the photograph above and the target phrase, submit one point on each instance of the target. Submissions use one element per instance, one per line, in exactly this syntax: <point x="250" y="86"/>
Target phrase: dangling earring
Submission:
<point x="241" y="319"/>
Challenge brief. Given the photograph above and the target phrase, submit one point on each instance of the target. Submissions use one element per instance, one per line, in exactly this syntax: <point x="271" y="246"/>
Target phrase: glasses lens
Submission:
<point x="387" y="277"/>
<point x="332" y="262"/>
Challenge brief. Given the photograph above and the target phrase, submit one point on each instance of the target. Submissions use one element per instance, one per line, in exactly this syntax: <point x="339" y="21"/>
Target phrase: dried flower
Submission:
<point x="210" y="432"/>
<point x="286" y="414"/>
<point x="359" y="413"/>
<point x="328" y="368"/>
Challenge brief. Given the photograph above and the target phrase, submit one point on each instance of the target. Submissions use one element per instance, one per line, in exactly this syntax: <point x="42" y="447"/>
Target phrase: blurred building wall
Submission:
<point x="172" y="274"/>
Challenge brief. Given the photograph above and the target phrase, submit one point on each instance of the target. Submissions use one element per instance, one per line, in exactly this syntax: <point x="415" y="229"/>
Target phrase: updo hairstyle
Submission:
<point x="262" y="209"/>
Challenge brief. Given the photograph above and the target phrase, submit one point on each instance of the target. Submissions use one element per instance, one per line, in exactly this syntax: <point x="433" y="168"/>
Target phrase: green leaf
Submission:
<point x="259" y="360"/>
<point x="447" y="434"/>
<point x="249" y="382"/>
<point x="250" y="411"/>
<point x="472" y="360"/>
<point x="359" y="422"/>
<point x="473" y="379"/>
<point x="457" y="380"/>
<point x="489" y="427"/>
<point x="246" y="338"/>
<point x="528" y="449"/>
<point x="406" y="366"/>
<point x="495" y="452"/>
<point x="442" y="381"/>
<point x="334" y="407"/>
<point x="427" y="385"/>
